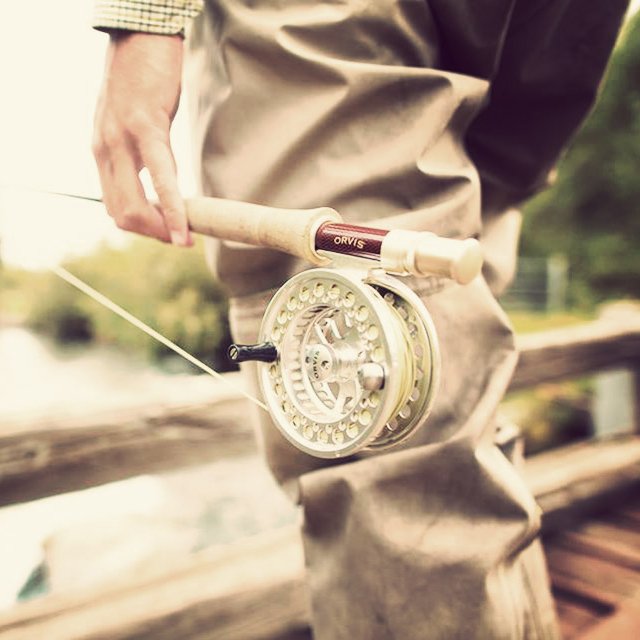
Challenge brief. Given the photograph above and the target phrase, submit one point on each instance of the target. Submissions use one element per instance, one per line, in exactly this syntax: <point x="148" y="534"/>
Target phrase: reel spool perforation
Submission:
<point x="352" y="371"/>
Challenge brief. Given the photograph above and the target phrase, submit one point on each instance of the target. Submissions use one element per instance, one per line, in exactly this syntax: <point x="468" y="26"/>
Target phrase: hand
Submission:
<point x="138" y="101"/>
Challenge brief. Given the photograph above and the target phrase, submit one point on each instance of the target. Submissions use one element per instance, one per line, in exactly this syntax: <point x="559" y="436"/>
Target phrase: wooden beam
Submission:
<point x="624" y="623"/>
<point x="581" y="478"/>
<point x="601" y="540"/>
<point x="50" y="458"/>
<point x="636" y="395"/>
<point x="577" y="351"/>
<point x="249" y="591"/>
<point x="256" y="590"/>
<point x="46" y="460"/>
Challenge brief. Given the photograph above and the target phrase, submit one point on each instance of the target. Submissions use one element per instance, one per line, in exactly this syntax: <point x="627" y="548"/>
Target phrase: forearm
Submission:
<point x="166" y="17"/>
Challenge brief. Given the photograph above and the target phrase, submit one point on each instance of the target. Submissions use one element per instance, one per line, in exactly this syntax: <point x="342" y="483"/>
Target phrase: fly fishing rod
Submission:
<point x="348" y="356"/>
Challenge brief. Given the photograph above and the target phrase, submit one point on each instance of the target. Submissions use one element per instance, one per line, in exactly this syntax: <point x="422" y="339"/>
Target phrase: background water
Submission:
<point x="41" y="379"/>
<point x="91" y="536"/>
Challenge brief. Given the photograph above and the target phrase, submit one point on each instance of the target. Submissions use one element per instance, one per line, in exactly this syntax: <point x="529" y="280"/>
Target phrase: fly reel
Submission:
<point x="352" y="361"/>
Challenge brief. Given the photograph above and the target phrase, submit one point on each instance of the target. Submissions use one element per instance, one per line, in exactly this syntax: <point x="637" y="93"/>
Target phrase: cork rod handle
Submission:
<point x="290" y="230"/>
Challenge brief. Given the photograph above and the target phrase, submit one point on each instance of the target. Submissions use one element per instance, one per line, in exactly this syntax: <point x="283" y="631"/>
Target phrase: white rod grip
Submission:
<point x="289" y="230"/>
<point x="424" y="254"/>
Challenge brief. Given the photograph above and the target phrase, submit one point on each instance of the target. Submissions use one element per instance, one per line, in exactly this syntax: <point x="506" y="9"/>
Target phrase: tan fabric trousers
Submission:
<point x="428" y="541"/>
<point x="374" y="107"/>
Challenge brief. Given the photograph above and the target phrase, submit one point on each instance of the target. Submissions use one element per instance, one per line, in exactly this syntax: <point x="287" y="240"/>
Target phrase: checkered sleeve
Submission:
<point x="151" y="16"/>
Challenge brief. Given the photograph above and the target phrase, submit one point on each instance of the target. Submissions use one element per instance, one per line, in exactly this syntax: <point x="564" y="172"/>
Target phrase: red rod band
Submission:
<point x="350" y="240"/>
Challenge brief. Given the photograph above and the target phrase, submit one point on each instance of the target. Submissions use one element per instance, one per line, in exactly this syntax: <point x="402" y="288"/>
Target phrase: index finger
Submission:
<point x="124" y="196"/>
<point x="157" y="156"/>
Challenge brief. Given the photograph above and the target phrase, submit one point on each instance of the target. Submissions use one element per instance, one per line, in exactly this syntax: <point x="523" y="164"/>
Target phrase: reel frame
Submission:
<point x="358" y="361"/>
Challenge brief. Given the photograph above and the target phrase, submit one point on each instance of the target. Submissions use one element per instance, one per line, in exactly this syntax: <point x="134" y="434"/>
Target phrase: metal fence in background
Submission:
<point x="540" y="284"/>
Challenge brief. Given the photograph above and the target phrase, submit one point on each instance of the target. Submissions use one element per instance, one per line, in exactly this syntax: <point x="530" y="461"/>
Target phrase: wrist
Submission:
<point x="145" y="39"/>
<point x="116" y="34"/>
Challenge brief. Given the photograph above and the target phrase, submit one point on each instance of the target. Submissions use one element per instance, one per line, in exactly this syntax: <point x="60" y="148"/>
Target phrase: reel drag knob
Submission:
<point x="357" y="364"/>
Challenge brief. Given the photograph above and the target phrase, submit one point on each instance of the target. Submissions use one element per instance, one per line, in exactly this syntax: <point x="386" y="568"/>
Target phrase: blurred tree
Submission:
<point x="591" y="213"/>
<point x="169" y="289"/>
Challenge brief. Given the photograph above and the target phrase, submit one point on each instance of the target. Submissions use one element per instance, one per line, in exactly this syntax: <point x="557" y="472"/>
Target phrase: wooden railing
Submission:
<point x="256" y="589"/>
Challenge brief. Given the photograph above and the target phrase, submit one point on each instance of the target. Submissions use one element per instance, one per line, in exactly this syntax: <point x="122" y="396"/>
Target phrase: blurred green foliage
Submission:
<point x="169" y="289"/>
<point x="532" y="321"/>
<point x="551" y="415"/>
<point x="591" y="213"/>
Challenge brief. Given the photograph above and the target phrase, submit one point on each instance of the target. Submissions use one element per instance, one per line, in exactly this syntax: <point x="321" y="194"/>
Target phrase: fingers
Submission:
<point x="123" y="194"/>
<point x="156" y="155"/>
<point x="119" y="160"/>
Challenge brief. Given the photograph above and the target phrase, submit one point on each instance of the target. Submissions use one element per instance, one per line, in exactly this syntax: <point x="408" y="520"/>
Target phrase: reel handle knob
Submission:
<point x="264" y="352"/>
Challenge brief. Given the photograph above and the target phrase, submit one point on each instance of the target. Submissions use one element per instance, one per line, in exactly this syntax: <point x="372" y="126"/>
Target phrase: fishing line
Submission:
<point x="13" y="186"/>
<point x="118" y="310"/>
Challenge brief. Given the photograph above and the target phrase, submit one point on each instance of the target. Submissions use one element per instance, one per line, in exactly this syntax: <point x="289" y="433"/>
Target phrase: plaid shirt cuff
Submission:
<point x="166" y="17"/>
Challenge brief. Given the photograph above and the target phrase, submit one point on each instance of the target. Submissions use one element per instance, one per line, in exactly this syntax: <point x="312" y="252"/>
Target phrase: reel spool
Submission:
<point x="352" y="361"/>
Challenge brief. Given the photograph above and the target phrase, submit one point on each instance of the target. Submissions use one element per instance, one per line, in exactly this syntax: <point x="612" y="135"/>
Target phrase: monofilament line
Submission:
<point x="112" y="306"/>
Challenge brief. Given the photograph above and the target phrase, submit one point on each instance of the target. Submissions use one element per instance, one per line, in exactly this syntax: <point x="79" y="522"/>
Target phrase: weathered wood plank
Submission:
<point x="636" y="392"/>
<point x="622" y="625"/>
<point x="44" y="462"/>
<point x="594" y="567"/>
<point x="257" y="588"/>
<point x="573" y="619"/>
<point x="591" y="578"/>
<point x="582" y="478"/>
<point x="576" y="351"/>
<point x="627" y="516"/>
<point x="600" y="600"/>
<point x="251" y="591"/>
<point x="612" y="544"/>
